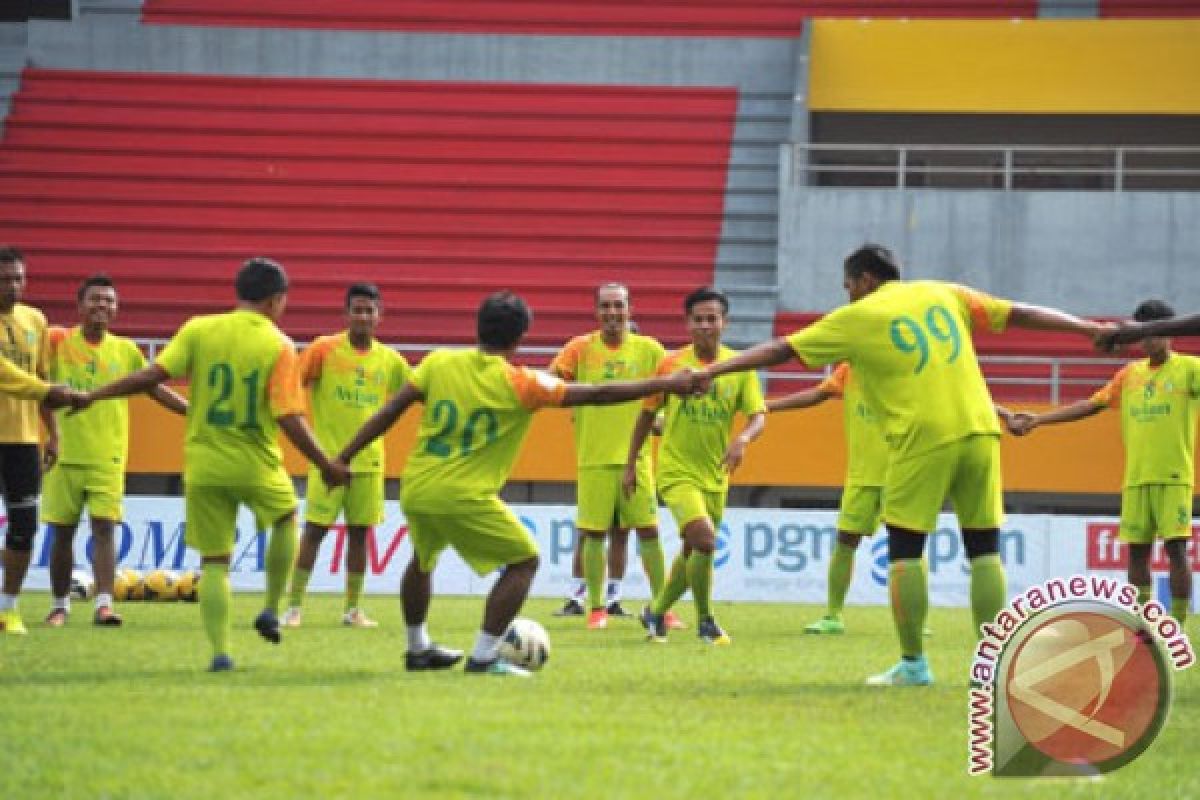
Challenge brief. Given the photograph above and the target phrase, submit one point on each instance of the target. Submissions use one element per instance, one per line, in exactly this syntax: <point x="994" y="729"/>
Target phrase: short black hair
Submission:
<point x="11" y="255"/>
<point x="260" y="279"/>
<point x="367" y="290"/>
<point x="873" y="259"/>
<point x="502" y="320"/>
<point x="1149" y="310"/>
<point x="703" y="295"/>
<point x="99" y="279"/>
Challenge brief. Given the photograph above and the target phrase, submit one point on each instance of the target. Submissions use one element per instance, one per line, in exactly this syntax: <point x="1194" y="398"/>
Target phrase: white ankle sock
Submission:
<point x="418" y="639"/>
<point x="486" y="646"/>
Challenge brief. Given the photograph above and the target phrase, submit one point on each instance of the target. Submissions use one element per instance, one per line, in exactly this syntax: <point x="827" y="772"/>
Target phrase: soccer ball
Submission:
<point x="83" y="585"/>
<point x="189" y="586"/>
<point x="163" y="585"/>
<point x="526" y="644"/>
<point x="128" y="585"/>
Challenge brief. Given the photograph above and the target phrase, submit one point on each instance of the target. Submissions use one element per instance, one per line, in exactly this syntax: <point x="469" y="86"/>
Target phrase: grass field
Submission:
<point x="130" y="713"/>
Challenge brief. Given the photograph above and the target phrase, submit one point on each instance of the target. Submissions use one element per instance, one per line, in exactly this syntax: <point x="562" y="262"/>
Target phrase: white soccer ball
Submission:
<point x="526" y="644"/>
<point x="83" y="585"/>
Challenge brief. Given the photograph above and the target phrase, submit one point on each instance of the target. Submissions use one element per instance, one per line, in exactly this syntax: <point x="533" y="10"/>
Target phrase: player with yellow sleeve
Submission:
<point x="697" y="454"/>
<point x="94" y="444"/>
<point x="910" y="344"/>
<point x="1159" y="398"/>
<point x="244" y="388"/>
<point x="350" y="375"/>
<point x="477" y="410"/>
<point x="611" y="353"/>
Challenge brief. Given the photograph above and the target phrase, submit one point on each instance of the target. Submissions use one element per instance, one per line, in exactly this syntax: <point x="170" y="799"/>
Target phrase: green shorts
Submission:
<point x="361" y="502"/>
<point x="689" y="503"/>
<point x="601" y="501"/>
<point x="966" y="471"/>
<point x="69" y="488"/>
<point x="861" y="509"/>
<point x="486" y="534"/>
<point x="1160" y="509"/>
<point x="211" y="511"/>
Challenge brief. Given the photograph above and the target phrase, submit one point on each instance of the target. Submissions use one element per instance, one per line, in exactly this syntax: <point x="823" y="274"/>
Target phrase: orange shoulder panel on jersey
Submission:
<point x="313" y="357"/>
<point x="283" y="387"/>
<point x="668" y="366"/>
<point x="835" y="384"/>
<point x="58" y="335"/>
<point x="536" y="389"/>
<point x="981" y="307"/>
<point x="1109" y="395"/>
<point x="566" y="363"/>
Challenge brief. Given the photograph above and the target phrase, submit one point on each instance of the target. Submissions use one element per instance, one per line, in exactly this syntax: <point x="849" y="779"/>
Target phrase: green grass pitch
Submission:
<point x="129" y="713"/>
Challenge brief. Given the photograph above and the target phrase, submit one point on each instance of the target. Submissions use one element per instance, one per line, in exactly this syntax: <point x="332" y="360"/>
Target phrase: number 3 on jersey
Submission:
<point x="909" y="335"/>
<point x="222" y="412"/>
<point x="446" y="414"/>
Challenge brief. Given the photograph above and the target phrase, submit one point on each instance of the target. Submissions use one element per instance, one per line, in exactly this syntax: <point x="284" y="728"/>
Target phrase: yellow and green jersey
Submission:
<point x="348" y="385"/>
<point x="1158" y="418"/>
<point x="697" y="430"/>
<point x="244" y="375"/>
<point x="866" y="449"/>
<point x="23" y="342"/>
<point x="98" y="436"/>
<point x="16" y="382"/>
<point x="909" y="343"/>
<point x="602" y="432"/>
<point x="477" y="411"/>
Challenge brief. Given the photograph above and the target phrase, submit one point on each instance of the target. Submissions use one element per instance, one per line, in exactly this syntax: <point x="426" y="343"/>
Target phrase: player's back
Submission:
<point x="477" y="410"/>
<point x="243" y="375"/>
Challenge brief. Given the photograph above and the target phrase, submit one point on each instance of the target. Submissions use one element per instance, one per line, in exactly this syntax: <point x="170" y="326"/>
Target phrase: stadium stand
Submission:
<point x="773" y="18"/>
<point x="437" y="191"/>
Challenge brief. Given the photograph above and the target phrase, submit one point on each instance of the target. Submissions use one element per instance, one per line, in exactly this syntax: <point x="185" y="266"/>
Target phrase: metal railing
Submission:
<point x="1000" y="167"/>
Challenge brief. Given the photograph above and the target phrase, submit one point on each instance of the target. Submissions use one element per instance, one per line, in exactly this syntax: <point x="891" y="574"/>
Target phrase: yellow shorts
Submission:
<point x="861" y="509"/>
<point x="966" y="471"/>
<point x="601" y="501"/>
<point x="211" y="511"/>
<point x="1161" y="509"/>
<point x="69" y="488"/>
<point x="689" y="503"/>
<point x="485" y="533"/>
<point x="361" y="502"/>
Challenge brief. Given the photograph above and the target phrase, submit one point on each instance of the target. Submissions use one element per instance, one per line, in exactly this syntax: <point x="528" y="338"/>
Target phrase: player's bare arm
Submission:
<point x="641" y="429"/>
<point x="1041" y="318"/>
<point x="381" y="421"/>
<point x="766" y="354"/>
<point x="134" y="383"/>
<point x="807" y="398"/>
<point x="600" y="394"/>
<point x="1024" y="422"/>
<point x="170" y="399"/>
<point x="1130" y="332"/>
<point x="50" y="445"/>
<point x="737" y="446"/>
<point x="295" y="428"/>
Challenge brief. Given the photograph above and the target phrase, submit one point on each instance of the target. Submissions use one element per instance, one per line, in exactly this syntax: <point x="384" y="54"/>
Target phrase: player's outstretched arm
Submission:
<point x="170" y="399"/>
<point x="1024" y="422"/>
<point x="766" y="354"/>
<point x="1041" y="318"/>
<point x="133" y="383"/>
<point x="1129" y="332"/>
<point x="381" y="421"/>
<point x="295" y="428"/>
<point x="641" y="429"/>
<point x="798" y="400"/>
<point x="602" y="394"/>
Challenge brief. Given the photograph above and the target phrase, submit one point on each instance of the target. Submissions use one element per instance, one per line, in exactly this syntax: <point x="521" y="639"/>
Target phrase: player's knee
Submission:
<point x="905" y="545"/>
<point x="22" y="527"/>
<point x="981" y="543"/>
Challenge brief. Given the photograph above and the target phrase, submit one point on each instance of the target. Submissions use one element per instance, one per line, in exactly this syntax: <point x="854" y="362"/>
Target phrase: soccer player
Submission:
<point x="245" y="386"/>
<point x="350" y="375"/>
<point x="695" y="460"/>
<point x="1158" y="398"/>
<point x="94" y="445"/>
<point x="24" y="344"/>
<point x="477" y="410"/>
<point x="909" y="343"/>
<point x="612" y="353"/>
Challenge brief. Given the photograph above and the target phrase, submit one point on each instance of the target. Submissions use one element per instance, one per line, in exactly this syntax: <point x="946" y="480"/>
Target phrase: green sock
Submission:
<point x="841" y="570"/>
<point x="215" y="599"/>
<point x="910" y="603"/>
<point x="653" y="563"/>
<point x="1179" y="609"/>
<point x="700" y="575"/>
<point x="989" y="589"/>
<point x="1144" y="594"/>
<point x="673" y="589"/>
<point x="281" y="554"/>
<point x="594" y="570"/>
<point x="354" y="586"/>
<point x="299" y="586"/>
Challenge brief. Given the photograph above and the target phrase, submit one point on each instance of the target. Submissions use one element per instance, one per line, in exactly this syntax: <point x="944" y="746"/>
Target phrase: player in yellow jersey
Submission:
<point x="93" y="447"/>
<point x="1158" y="398"/>
<point x="349" y="376"/>
<point x="244" y="388"/>
<point x="695" y="459"/>
<point x="24" y="344"/>
<point x="612" y="353"/>
<point x="909" y="342"/>
<point x="477" y="410"/>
